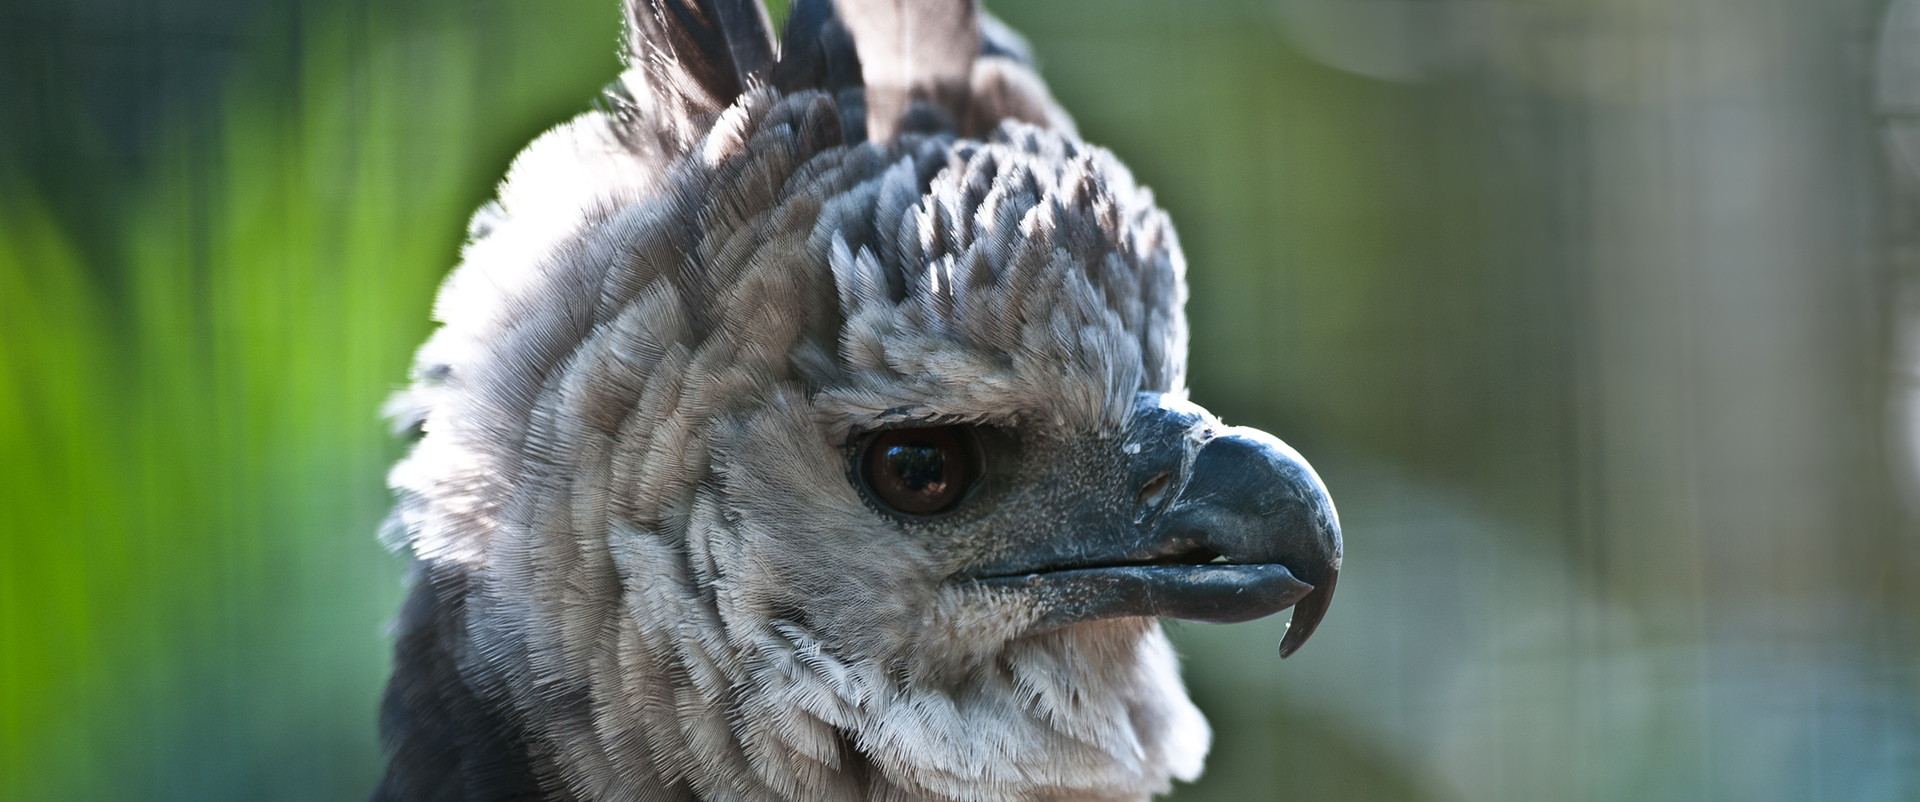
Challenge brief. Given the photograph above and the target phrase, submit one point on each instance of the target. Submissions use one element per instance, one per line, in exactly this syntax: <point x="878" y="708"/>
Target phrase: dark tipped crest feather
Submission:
<point x="698" y="55"/>
<point x="889" y="65"/>
<point x="916" y="58"/>
<point x="816" y="50"/>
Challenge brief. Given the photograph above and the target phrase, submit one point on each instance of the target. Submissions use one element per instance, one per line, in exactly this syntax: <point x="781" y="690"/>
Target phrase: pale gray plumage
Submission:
<point x="643" y="566"/>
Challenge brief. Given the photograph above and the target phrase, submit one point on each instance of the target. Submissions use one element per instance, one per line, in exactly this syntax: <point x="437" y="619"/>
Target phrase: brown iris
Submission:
<point x="919" y="471"/>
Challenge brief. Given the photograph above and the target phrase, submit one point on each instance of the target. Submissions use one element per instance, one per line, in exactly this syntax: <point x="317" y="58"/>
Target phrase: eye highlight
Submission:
<point x="920" y="471"/>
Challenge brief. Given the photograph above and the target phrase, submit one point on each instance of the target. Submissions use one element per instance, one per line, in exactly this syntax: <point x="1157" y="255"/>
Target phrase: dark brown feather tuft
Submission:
<point x="699" y="55"/>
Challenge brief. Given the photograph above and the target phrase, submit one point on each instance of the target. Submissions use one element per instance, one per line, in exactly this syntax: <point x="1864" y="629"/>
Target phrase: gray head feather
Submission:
<point x="631" y="496"/>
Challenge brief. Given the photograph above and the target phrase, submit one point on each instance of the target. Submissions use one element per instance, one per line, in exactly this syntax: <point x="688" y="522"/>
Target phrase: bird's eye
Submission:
<point x="919" y="471"/>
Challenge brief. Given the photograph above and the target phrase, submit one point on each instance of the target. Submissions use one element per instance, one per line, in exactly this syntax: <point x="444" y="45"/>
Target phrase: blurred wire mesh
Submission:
<point x="1598" y="315"/>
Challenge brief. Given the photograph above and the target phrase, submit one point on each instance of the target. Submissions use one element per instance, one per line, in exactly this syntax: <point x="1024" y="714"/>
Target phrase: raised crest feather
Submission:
<point x="917" y="59"/>
<point x="698" y="55"/>
<point x="817" y="52"/>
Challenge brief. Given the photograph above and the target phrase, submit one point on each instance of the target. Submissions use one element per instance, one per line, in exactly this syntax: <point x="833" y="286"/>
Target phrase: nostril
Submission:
<point x="1155" y="489"/>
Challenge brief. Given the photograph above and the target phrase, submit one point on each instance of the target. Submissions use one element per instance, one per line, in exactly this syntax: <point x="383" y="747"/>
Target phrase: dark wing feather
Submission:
<point x="446" y="742"/>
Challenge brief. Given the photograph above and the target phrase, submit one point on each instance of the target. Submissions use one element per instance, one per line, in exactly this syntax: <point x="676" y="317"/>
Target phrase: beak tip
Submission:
<point x="1306" y="617"/>
<point x="1292" y="642"/>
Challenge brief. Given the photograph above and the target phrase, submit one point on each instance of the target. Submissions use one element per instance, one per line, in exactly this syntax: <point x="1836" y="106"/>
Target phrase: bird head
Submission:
<point x="815" y="427"/>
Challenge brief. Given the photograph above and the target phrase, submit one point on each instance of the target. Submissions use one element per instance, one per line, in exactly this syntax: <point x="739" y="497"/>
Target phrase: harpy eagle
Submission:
<point x="809" y="423"/>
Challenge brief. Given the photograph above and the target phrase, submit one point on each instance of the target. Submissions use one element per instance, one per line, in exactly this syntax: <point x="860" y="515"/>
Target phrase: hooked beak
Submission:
<point x="1232" y="525"/>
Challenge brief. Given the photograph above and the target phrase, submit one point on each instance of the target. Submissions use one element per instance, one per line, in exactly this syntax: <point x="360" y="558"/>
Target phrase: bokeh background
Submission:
<point x="1596" y="315"/>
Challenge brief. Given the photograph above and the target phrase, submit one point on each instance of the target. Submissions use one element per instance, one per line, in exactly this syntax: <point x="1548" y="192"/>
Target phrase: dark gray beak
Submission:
<point x="1228" y="524"/>
<point x="1254" y="501"/>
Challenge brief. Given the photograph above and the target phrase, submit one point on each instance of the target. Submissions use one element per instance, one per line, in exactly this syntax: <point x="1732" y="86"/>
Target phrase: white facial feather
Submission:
<point x="634" y="425"/>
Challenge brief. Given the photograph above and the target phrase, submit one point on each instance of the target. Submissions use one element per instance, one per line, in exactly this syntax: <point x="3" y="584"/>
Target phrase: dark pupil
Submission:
<point x="920" y="467"/>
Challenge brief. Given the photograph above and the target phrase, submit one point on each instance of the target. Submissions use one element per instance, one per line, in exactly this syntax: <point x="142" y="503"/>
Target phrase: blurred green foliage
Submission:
<point x="191" y="594"/>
